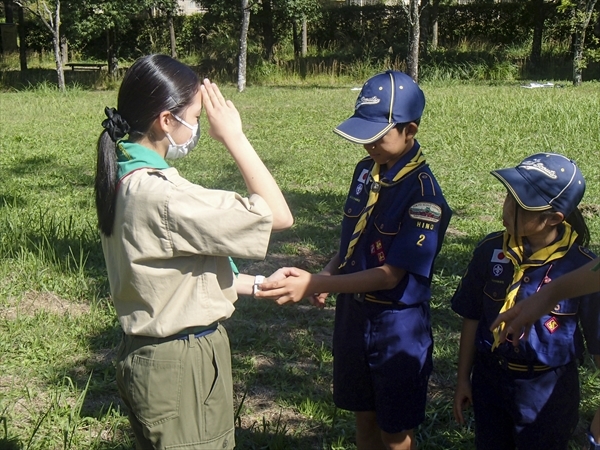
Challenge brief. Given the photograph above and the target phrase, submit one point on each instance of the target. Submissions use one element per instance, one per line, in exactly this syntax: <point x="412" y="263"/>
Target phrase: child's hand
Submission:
<point x="318" y="300"/>
<point x="462" y="400"/>
<point x="282" y="274"/>
<point x="291" y="289"/>
<point x="519" y="319"/>
<point x="223" y="117"/>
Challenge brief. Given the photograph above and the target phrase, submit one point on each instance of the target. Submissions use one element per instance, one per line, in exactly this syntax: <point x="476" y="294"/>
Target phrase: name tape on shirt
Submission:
<point x="499" y="257"/>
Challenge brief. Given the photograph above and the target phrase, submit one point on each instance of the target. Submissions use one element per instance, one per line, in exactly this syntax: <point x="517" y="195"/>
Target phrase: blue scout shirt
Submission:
<point x="405" y="229"/>
<point x="555" y="339"/>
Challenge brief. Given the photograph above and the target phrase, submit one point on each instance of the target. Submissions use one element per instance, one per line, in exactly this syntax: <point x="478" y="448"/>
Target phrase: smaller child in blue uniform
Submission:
<point x="394" y="222"/>
<point x="526" y="396"/>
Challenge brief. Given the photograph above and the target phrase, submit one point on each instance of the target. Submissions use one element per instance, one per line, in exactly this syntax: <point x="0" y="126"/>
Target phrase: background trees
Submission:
<point x="479" y="40"/>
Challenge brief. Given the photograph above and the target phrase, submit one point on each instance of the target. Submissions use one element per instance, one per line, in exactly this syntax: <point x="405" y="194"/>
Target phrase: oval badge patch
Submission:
<point x="425" y="211"/>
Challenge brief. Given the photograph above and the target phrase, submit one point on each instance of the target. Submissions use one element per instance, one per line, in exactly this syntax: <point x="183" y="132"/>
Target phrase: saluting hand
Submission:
<point x="223" y="117"/>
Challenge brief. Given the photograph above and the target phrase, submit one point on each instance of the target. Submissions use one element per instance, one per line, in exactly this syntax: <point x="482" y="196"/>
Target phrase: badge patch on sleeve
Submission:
<point x="499" y="257"/>
<point x="551" y="324"/>
<point x="364" y="176"/>
<point x="425" y="211"/>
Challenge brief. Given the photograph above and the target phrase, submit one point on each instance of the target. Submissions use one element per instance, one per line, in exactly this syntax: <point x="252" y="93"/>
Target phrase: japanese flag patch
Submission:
<point x="499" y="257"/>
<point x="363" y="177"/>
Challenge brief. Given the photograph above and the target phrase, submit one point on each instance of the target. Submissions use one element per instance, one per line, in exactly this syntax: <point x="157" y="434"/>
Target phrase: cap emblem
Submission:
<point x="366" y="101"/>
<point x="536" y="164"/>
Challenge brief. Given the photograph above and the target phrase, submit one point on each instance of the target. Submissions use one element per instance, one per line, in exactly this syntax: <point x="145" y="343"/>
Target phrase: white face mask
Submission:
<point x="176" y="151"/>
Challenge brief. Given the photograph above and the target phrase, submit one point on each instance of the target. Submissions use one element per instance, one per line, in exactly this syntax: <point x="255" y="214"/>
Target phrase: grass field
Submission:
<point x="58" y="330"/>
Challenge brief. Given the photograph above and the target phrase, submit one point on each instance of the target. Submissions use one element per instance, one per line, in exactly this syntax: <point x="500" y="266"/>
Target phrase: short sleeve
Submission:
<point x="416" y="246"/>
<point x="217" y="223"/>
<point x="467" y="299"/>
<point x="589" y="317"/>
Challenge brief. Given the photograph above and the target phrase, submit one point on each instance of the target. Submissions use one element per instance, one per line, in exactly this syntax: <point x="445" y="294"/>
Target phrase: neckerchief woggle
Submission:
<point x="415" y="162"/>
<point x="513" y="249"/>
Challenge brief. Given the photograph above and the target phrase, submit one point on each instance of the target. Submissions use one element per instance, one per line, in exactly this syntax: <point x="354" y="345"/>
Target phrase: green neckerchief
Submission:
<point x="132" y="156"/>
<point x="234" y="268"/>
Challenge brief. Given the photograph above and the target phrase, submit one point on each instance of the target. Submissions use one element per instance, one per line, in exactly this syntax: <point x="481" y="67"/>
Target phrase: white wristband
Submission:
<point x="258" y="280"/>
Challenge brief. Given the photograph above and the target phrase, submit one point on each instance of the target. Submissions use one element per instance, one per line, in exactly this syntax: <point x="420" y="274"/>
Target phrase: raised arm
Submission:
<point x="226" y="127"/>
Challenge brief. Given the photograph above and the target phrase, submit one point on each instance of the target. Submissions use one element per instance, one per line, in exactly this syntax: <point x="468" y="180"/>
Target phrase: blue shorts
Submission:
<point x="524" y="411"/>
<point x="382" y="359"/>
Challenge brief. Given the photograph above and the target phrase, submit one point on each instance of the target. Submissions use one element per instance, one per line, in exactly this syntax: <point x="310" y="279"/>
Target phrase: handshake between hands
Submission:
<point x="290" y="285"/>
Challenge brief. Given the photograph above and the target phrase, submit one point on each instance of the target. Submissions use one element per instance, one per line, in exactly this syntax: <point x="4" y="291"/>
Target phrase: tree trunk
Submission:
<point x="8" y="11"/>
<point x="243" y="53"/>
<point x="296" y="38"/>
<point x="172" y="36"/>
<point x="56" y="45"/>
<point x="304" y="37"/>
<point x="413" y="45"/>
<point x="434" y="21"/>
<point x="578" y="58"/>
<point x="538" y="31"/>
<point x="424" y="20"/>
<point x="112" y="58"/>
<point x="64" y="49"/>
<point x="22" y="40"/>
<point x="582" y="15"/>
<point x="268" y="39"/>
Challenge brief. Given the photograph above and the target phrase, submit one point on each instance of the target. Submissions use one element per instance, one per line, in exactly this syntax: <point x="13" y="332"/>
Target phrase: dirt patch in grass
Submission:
<point x="33" y="302"/>
<point x="589" y="210"/>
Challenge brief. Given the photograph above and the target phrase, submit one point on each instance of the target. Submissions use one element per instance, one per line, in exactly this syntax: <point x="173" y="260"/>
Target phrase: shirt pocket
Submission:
<point x="565" y="308"/>
<point x="494" y="297"/>
<point x="387" y="224"/>
<point x="353" y="209"/>
<point x="495" y="291"/>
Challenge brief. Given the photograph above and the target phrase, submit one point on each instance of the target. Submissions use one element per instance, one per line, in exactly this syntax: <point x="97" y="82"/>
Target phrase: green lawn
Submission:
<point x="58" y="329"/>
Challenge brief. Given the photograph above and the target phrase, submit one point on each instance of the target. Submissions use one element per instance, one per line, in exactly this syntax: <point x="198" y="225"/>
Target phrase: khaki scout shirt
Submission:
<point x="167" y="258"/>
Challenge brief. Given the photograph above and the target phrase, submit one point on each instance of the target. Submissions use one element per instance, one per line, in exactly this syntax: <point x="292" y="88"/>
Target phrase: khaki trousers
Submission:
<point x="179" y="392"/>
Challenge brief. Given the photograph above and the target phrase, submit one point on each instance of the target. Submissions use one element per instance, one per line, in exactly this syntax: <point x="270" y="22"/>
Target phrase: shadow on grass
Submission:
<point x="281" y="356"/>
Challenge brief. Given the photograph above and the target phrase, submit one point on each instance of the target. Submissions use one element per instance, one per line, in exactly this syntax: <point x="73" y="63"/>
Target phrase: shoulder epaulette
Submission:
<point x="427" y="185"/>
<point x="490" y="237"/>
<point x="587" y="252"/>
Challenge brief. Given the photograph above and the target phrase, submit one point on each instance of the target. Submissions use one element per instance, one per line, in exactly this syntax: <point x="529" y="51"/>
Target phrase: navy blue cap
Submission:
<point x="543" y="181"/>
<point x="386" y="99"/>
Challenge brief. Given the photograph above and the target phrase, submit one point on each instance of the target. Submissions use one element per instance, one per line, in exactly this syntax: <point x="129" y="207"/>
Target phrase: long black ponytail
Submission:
<point x="153" y="84"/>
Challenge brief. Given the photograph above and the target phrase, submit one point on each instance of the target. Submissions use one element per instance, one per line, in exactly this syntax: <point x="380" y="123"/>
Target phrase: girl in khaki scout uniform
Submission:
<point x="166" y="243"/>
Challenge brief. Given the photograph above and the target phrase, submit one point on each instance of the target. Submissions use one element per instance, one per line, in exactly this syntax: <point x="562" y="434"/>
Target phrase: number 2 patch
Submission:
<point x="421" y="239"/>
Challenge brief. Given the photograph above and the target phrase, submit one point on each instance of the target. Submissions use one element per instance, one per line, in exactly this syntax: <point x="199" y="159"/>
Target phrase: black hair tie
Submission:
<point x="115" y="125"/>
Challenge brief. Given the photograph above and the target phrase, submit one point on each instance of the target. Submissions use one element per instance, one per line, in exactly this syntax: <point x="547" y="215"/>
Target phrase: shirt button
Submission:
<point x="349" y="210"/>
<point x="381" y="226"/>
<point x="353" y="263"/>
<point x="525" y="279"/>
<point x="517" y="350"/>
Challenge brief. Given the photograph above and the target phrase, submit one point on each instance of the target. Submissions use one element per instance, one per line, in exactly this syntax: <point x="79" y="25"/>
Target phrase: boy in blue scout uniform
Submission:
<point x="394" y="222"/>
<point x="527" y="396"/>
<point x="382" y="338"/>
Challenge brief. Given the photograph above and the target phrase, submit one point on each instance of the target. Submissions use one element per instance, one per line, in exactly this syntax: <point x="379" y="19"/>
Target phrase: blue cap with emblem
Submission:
<point x="386" y="99"/>
<point x="544" y="181"/>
